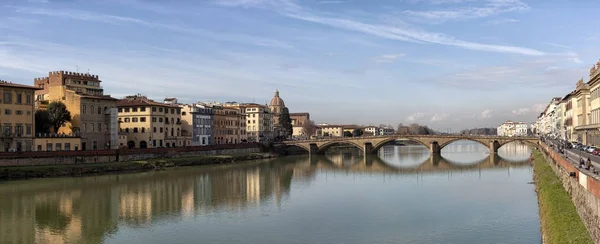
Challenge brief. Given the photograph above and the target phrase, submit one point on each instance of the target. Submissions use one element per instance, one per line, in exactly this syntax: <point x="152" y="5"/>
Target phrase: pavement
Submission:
<point x="573" y="155"/>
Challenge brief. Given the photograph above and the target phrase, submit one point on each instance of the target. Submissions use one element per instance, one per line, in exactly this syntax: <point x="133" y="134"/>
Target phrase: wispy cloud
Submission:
<point x="407" y="34"/>
<point x="491" y="7"/>
<point x="387" y="58"/>
<point x="536" y="108"/>
<point x="558" y="45"/>
<point x="503" y="21"/>
<point x="120" y="20"/>
<point x="330" y="2"/>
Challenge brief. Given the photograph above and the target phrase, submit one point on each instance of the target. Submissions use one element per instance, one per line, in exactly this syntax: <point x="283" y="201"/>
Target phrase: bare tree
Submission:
<point x="309" y="128"/>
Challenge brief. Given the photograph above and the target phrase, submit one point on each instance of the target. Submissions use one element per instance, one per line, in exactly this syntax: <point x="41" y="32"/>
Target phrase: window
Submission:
<point x="67" y="146"/>
<point x="19" y="112"/>
<point x="143" y="109"/>
<point x="28" y="99"/>
<point x="160" y="120"/>
<point x="92" y="109"/>
<point x="83" y="108"/>
<point x="100" y="127"/>
<point x="126" y="110"/>
<point x="154" y="129"/>
<point x="49" y="147"/>
<point x="126" y="130"/>
<point x="120" y="110"/>
<point x="182" y="113"/>
<point x="172" y="111"/>
<point x="28" y="129"/>
<point x="143" y="130"/>
<point x="58" y="146"/>
<point x="134" y="120"/>
<point x="153" y="109"/>
<point x="7" y="97"/>
<point x="127" y="120"/>
<point x="142" y="119"/>
<point x="39" y="148"/>
<point x="91" y="127"/>
<point x="99" y="110"/>
<point x="135" y="130"/>
<point x="133" y="109"/>
<point x="7" y="112"/>
<point x="83" y="127"/>
<point x="19" y="98"/>
<point x="160" y="110"/>
<point x="161" y="130"/>
<point x="153" y="119"/>
<point x="28" y="112"/>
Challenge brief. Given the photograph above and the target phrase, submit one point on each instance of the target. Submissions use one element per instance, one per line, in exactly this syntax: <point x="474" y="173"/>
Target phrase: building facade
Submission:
<point x="17" y="117"/>
<point x="299" y="120"/>
<point x="198" y="118"/>
<point x="260" y="124"/>
<point x="94" y="114"/>
<point x="327" y="130"/>
<point x="510" y="128"/>
<point x="149" y="124"/>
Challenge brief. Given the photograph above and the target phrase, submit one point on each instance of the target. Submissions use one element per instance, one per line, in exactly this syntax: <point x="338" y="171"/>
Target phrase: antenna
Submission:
<point x="88" y="71"/>
<point x="77" y="68"/>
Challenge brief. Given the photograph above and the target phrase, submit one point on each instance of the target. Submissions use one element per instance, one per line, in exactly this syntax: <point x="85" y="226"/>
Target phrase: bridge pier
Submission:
<point x="314" y="149"/>
<point x="494" y="145"/>
<point x="435" y="148"/>
<point x="368" y="148"/>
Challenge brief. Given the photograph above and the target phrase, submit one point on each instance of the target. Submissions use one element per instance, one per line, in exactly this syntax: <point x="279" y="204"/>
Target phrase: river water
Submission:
<point x="399" y="196"/>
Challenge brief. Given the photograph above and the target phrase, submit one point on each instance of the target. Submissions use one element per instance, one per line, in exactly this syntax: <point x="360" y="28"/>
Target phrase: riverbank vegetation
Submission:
<point x="559" y="219"/>
<point x="43" y="171"/>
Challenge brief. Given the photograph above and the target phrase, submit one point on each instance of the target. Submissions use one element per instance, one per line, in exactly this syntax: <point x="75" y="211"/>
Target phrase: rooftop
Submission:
<point x="4" y="83"/>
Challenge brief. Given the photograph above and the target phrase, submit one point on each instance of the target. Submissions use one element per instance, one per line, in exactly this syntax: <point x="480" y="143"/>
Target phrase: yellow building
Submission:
<point x="149" y="124"/>
<point x="328" y="130"/>
<point x="582" y="102"/>
<point x="94" y="115"/>
<point x="241" y="107"/>
<point x="17" y="117"/>
<point x="590" y="129"/>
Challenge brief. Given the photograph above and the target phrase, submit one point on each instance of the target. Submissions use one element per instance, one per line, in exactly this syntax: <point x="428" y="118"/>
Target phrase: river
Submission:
<point x="399" y="196"/>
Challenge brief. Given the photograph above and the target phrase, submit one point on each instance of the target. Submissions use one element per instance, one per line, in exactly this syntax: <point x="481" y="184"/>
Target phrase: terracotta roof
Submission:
<point x="106" y="97"/>
<point x="4" y="83"/>
<point x="138" y="101"/>
<point x="299" y="114"/>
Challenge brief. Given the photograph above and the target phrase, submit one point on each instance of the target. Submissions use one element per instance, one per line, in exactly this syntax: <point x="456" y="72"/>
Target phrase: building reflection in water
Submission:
<point x="88" y="210"/>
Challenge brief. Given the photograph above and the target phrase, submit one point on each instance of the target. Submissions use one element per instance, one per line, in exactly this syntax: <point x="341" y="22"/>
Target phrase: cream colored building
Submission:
<point x="298" y="122"/>
<point x="17" y="117"/>
<point x="259" y="123"/>
<point x="581" y="111"/>
<point x="510" y="128"/>
<point x="589" y="131"/>
<point x="94" y="115"/>
<point x="241" y="107"/>
<point x="150" y="124"/>
<point x="70" y="143"/>
<point x="328" y="130"/>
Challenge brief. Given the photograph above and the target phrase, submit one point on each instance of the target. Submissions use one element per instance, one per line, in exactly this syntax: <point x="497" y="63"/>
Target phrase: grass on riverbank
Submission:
<point x="559" y="219"/>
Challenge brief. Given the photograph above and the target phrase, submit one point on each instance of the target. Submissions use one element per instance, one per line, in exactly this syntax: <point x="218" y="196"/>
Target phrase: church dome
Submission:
<point x="276" y="101"/>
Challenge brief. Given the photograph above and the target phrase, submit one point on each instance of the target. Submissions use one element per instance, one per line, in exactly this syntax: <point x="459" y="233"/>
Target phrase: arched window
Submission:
<point x="143" y="129"/>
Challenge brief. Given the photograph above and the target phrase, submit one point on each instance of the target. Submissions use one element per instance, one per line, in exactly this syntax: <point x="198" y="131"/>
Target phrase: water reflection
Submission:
<point x="95" y="209"/>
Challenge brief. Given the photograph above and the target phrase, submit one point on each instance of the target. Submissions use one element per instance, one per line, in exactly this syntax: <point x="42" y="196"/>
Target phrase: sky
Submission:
<point x="448" y="64"/>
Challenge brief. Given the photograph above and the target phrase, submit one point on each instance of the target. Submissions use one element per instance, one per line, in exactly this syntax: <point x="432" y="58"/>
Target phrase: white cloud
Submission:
<point x="439" y="117"/>
<point x="486" y="114"/>
<point x="536" y="108"/>
<point x="387" y="58"/>
<point x="415" y="116"/>
<point x="521" y="111"/>
<point x="400" y="33"/>
<point x="492" y="7"/>
<point x="503" y="21"/>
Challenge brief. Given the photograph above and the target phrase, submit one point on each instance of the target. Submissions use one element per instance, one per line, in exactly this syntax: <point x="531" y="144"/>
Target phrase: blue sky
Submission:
<point x="445" y="63"/>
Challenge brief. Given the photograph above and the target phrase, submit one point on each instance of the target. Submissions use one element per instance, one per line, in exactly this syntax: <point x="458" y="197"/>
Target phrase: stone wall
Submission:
<point x="583" y="187"/>
<point x="106" y="156"/>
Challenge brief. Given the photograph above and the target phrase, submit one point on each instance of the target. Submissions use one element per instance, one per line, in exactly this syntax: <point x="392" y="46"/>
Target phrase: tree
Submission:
<point x="286" y="122"/>
<point x="347" y="134"/>
<point x="59" y="115"/>
<point x="309" y="128"/>
<point x="357" y="132"/>
<point x="42" y="122"/>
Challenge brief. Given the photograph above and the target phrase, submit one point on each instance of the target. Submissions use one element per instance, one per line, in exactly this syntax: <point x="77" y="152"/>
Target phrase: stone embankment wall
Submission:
<point x="122" y="155"/>
<point x="583" y="188"/>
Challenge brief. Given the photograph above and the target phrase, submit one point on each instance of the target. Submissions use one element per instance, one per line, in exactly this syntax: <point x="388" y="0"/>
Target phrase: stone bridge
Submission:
<point x="435" y="143"/>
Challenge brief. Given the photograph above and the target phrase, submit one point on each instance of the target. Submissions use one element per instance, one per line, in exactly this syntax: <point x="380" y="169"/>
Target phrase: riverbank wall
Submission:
<point x="121" y="155"/>
<point x="582" y="186"/>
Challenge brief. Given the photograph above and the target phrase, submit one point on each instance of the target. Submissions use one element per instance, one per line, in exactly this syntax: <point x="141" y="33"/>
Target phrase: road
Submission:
<point x="575" y="154"/>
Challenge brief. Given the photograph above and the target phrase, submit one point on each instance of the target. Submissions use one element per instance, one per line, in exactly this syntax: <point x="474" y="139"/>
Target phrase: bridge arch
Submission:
<point x="526" y="141"/>
<point x="327" y="145"/>
<point x="463" y="139"/>
<point x="298" y="145"/>
<point x="382" y="143"/>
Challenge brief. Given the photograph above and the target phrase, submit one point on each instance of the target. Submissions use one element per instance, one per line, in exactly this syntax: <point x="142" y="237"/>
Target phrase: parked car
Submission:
<point x="590" y="149"/>
<point x="596" y="151"/>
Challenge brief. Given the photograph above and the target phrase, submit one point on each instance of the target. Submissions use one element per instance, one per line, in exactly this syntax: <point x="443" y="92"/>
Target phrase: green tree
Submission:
<point x="58" y="114"/>
<point x="357" y="132"/>
<point x="42" y="122"/>
<point x="286" y="122"/>
<point x="347" y="134"/>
